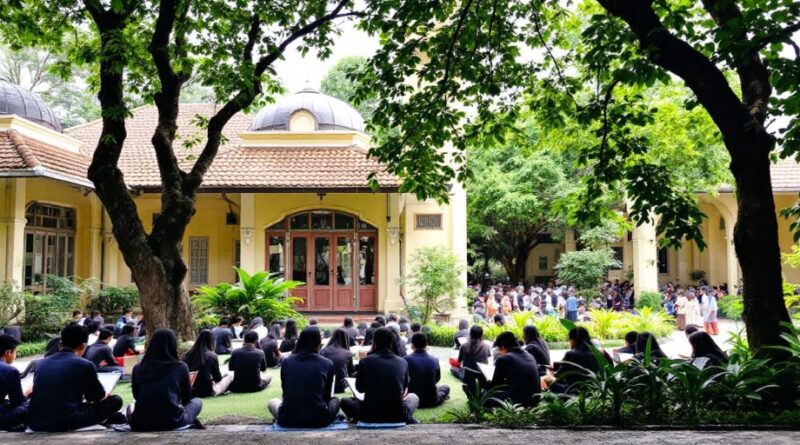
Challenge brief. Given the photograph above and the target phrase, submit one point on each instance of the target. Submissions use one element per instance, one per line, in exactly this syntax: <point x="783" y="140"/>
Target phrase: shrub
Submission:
<point x="653" y="300"/>
<point x="731" y="306"/>
<point x="585" y="269"/>
<point x="434" y="281"/>
<point x="206" y="321"/>
<point x="259" y="295"/>
<point x="44" y="316"/>
<point x="112" y="299"/>
<point x="441" y="335"/>
<point x="11" y="303"/>
<point x="28" y="349"/>
<point x="654" y="321"/>
<point x="550" y="328"/>
<point x="63" y="294"/>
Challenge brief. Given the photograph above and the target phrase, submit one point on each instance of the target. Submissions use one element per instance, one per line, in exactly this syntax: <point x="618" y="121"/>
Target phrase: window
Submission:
<point x="428" y="221"/>
<point x="542" y="263"/>
<point x="198" y="260"/>
<point x="49" y="242"/>
<point x="276" y="254"/>
<point x="663" y="263"/>
<point x="617" y="256"/>
<point x="366" y="253"/>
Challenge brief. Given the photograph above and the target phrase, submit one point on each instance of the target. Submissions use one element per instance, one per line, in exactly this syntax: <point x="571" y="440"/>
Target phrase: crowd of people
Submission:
<point x="393" y="378"/>
<point x="689" y="305"/>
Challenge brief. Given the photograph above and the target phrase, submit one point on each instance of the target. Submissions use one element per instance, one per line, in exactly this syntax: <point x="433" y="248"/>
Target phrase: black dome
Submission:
<point x="23" y="103"/>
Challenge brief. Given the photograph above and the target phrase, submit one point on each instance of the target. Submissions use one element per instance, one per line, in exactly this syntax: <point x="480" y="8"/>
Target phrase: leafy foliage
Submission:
<point x="259" y="295"/>
<point x="653" y="300"/>
<point x="731" y="306"/>
<point x="12" y="303"/>
<point x="434" y="281"/>
<point x="112" y="299"/>
<point x="585" y="269"/>
<point x="340" y="82"/>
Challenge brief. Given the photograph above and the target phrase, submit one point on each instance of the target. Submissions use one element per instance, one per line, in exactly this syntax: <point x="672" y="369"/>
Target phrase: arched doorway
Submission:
<point x="334" y="253"/>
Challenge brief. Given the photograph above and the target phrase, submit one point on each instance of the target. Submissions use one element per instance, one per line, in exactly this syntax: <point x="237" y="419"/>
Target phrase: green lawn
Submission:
<point x="252" y="408"/>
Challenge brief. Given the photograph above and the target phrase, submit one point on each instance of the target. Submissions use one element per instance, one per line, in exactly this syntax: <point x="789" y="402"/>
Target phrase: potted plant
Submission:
<point x="434" y="281"/>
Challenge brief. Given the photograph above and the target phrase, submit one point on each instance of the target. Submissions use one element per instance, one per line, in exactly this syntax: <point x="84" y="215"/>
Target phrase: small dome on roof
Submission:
<point x="329" y="113"/>
<point x="27" y="105"/>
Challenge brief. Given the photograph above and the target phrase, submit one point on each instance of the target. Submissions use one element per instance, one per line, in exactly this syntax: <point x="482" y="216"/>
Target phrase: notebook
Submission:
<point x="487" y="370"/>
<point x="109" y="380"/>
<point x="351" y="383"/>
<point x="621" y="357"/>
<point x="27" y="384"/>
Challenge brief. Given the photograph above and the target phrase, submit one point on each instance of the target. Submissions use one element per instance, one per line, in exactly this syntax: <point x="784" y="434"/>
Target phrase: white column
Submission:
<point x="645" y="251"/>
<point x="458" y="220"/>
<point x="247" y="235"/>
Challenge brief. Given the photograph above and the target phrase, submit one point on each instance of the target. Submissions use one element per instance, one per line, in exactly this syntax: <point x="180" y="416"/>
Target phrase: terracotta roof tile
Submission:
<point x="18" y="152"/>
<point x="785" y="176"/>
<point x="236" y="166"/>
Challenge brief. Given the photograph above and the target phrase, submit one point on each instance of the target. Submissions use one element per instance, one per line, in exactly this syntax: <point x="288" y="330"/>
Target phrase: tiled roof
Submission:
<point x="237" y="167"/>
<point x="29" y="157"/>
<point x="785" y="176"/>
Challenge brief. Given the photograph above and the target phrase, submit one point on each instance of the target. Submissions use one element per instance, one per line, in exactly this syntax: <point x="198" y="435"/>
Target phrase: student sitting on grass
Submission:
<point x="161" y="387"/>
<point x="307" y="379"/>
<point x="352" y="332"/>
<point x="463" y="332"/>
<point x="222" y="337"/>
<point x="247" y="364"/>
<point x="236" y="326"/>
<point x="100" y="353"/>
<point x="383" y="378"/>
<point x="338" y="352"/>
<point x="126" y="343"/>
<point x="424" y="372"/>
<point x="14" y="412"/>
<point x="201" y="358"/>
<point x="53" y="345"/>
<point x="289" y="336"/>
<point x="472" y="352"/>
<point x="269" y="345"/>
<point x="537" y="347"/>
<point x="567" y="375"/>
<point x="61" y="384"/>
<point x="516" y="373"/>
<point x="124" y="319"/>
<point x="630" y="344"/>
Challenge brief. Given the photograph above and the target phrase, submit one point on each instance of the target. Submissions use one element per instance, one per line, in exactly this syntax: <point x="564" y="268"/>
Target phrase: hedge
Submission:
<point x="30" y="349"/>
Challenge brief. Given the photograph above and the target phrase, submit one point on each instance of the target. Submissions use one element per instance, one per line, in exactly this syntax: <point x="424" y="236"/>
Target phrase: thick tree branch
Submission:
<point x="247" y="94"/>
<point x="753" y="74"/>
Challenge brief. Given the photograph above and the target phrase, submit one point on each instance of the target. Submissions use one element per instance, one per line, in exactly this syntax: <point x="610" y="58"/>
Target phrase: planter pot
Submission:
<point x="442" y="318"/>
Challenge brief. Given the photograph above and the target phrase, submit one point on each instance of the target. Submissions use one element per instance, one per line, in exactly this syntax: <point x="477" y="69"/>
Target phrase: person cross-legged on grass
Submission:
<point x="307" y="379"/>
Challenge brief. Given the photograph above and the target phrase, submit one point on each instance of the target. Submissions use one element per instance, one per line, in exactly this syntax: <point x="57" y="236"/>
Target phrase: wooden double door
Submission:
<point x="332" y="266"/>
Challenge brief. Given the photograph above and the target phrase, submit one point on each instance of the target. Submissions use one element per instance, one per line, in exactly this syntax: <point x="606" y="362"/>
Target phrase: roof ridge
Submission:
<point x="25" y="152"/>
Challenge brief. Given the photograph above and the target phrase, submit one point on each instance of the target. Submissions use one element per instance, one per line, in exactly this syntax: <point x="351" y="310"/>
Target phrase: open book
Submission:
<point x="351" y="383"/>
<point x="621" y="357"/>
<point x="27" y="384"/>
<point x="109" y="380"/>
<point x="487" y="370"/>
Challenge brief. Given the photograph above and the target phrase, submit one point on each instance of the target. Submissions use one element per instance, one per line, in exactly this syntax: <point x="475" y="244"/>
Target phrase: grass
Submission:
<point x="252" y="407"/>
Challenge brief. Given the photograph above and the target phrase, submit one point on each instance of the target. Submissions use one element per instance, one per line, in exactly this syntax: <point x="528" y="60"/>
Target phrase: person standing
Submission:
<point x="161" y="387"/>
<point x="710" y="319"/>
<point x="307" y="379"/>
<point x="572" y="306"/>
<point x="680" y="311"/>
<point x="66" y="392"/>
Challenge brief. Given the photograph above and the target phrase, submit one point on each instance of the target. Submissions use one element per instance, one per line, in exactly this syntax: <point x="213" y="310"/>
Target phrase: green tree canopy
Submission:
<point x="341" y="82"/>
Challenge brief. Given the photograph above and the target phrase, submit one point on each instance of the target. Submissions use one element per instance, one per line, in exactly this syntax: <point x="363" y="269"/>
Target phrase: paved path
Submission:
<point x="412" y="435"/>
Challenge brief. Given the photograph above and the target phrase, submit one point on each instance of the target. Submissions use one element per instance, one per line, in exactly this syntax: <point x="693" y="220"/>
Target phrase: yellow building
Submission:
<point x="287" y="193"/>
<point x="653" y="267"/>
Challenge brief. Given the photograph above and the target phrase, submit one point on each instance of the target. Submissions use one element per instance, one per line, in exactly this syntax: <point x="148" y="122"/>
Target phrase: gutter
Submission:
<point x="41" y="172"/>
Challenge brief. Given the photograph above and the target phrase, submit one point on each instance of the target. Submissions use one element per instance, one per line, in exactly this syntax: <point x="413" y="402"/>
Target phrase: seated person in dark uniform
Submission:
<point x="338" y="352"/>
<point x="53" y="346"/>
<point x="383" y="378"/>
<point x="61" y="384"/>
<point x="201" y="358"/>
<point x="269" y="345"/>
<point x="630" y="344"/>
<point x="399" y="347"/>
<point x="161" y="387"/>
<point x="463" y="332"/>
<point x="222" y="337"/>
<point x="424" y="373"/>
<point x="100" y="353"/>
<point x="471" y="353"/>
<point x="289" y="336"/>
<point x="306" y="379"/>
<point x="374" y="326"/>
<point x="537" y="347"/>
<point x="568" y="376"/>
<point x="515" y="372"/>
<point x="14" y="411"/>
<point x="352" y="332"/>
<point x="247" y="364"/>
<point x="126" y="343"/>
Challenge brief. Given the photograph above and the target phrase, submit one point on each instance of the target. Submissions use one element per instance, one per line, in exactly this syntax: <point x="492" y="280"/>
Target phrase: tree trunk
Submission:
<point x="165" y="302"/>
<point x="756" y="240"/>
